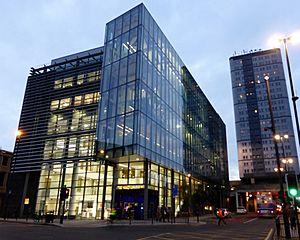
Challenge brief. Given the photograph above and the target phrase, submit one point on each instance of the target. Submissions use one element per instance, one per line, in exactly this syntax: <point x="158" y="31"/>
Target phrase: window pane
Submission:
<point x="118" y="27"/>
<point x="108" y="52"/>
<point x="119" y="131"/>
<point x="142" y="129"/>
<point x="110" y="133"/>
<point x="57" y="84"/>
<point x="123" y="71"/>
<point x="121" y="100"/>
<point x="130" y="97"/>
<point x="110" y="31"/>
<point x="77" y="100"/>
<point x="145" y="43"/>
<point x="116" y="49"/>
<point x="104" y="106"/>
<point x="106" y="78"/>
<point x="72" y="147"/>
<point x="59" y="147"/>
<point x="64" y="103"/>
<point x="126" y="22"/>
<point x="125" y="45"/>
<point x="132" y="68"/>
<point x="133" y="41"/>
<point x="150" y="49"/>
<point x="88" y="98"/>
<point x="112" y="103"/>
<point x="134" y="17"/>
<point x="128" y="135"/>
<point x="114" y="75"/>
<point x="54" y="104"/>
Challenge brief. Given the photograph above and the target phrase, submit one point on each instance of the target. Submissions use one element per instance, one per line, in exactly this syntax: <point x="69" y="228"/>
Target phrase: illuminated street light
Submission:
<point x="18" y="133"/>
<point x="287" y="161"/>
<point x="276" y="169"/>
<point x="274" y="42"/>
<point x="281" y="137"/>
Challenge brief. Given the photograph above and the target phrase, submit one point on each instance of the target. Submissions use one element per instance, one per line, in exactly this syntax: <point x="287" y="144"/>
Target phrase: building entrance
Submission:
<point x="134" y="199"/>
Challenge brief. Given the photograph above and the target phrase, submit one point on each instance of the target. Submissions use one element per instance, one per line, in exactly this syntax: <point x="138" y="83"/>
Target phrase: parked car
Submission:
<point x="241" y="210"/>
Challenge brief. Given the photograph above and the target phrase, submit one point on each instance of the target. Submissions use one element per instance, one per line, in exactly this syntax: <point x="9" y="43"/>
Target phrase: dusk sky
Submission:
<point x="204" y="34"/>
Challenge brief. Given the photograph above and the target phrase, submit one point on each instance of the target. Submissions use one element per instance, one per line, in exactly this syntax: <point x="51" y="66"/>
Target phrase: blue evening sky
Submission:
<point x="205" y="33"/>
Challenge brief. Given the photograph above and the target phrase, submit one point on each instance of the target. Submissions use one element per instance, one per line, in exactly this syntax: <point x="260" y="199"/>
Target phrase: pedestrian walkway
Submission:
<point x="104" y="223"/>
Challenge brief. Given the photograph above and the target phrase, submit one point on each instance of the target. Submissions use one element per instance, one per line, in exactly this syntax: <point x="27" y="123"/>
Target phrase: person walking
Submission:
<point x="221" y="217"/>
<point x="292" y="215"/>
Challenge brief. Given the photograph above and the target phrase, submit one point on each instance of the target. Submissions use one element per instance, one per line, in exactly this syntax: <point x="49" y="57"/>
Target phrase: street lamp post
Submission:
<point x="285" y="217"/>
<point x="294" y="98"/>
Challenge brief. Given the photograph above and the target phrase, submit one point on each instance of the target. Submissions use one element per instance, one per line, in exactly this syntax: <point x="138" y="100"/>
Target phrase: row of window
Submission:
<point x="81" y="120"/>
<point x="87" y="98"/>
<point x="77" y="80"/>
<point x="72" y="147"/>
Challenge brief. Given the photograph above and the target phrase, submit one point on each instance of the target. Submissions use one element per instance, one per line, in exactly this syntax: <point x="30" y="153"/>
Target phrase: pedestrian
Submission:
<point x="167" y="210"/>
<point x="157" y="214"/>
<point x="292" y="215"/>
<point x="221" y="217"/>
<point x="162" y="213"/>
<point x="112" y="215"/>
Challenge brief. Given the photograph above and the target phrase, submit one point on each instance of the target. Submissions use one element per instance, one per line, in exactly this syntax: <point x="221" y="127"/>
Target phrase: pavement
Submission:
<point x="104" y="223"/>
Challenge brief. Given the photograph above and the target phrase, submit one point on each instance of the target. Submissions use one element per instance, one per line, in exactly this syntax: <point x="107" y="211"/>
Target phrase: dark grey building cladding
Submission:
<point x="253" y="116"/>
<point x="256" y="154"/>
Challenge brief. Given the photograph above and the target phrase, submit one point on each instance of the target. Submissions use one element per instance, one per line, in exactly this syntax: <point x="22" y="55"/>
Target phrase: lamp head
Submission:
<point x="294" y="38"/>
<point x="18" y="133"/>
<point x="277" y="137"/>
<point x="275" y="40"/>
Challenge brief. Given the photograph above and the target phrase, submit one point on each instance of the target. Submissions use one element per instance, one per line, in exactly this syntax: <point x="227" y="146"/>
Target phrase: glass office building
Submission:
<point x="156" y="127"/>
<point x="124" y="125"/>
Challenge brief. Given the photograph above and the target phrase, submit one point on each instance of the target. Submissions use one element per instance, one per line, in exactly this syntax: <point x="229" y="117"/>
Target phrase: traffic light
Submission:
<point x="64" y="194"/>
<point x="292" y="185"/>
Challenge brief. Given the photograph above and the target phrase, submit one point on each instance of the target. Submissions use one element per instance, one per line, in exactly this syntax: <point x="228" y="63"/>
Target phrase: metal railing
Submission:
<point x="280" y="230"/>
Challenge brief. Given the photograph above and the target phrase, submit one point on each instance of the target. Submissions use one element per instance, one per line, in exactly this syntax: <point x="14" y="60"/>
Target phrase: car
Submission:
<point x="241" y="210"/>
<point x="226" y="212"/>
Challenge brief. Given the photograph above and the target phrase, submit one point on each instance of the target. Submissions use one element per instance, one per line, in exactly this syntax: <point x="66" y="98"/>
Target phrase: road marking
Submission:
<point x="270" y="234"/>
<point x="156" y="236"/>
<point x="251" y="220"/>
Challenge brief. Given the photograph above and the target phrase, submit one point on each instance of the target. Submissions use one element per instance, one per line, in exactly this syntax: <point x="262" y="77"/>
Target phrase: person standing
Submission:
<point x="162" y="213"/>
<point x="221" y="217"/>
<point x="292" y="215"/>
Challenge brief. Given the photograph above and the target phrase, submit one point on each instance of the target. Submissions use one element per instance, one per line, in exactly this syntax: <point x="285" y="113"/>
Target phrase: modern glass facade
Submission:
<point x="124" y="124"/>
<point x="153" y="115"/>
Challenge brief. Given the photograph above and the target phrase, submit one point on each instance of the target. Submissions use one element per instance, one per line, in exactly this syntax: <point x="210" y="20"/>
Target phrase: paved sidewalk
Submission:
<point x="104" y="223"/>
